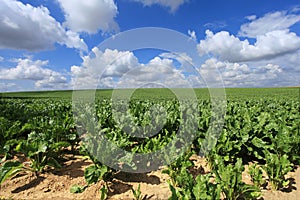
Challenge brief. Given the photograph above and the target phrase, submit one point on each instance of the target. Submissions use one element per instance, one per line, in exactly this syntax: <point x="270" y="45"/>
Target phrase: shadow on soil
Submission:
<point x="118" y="187"/>
<point x="138" y="177"/>
<point x="290" y="187"/>
<point x="29" y="185"/>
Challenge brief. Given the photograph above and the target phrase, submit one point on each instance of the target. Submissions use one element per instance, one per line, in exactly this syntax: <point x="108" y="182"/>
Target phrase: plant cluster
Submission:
<point x="260" y="131"/>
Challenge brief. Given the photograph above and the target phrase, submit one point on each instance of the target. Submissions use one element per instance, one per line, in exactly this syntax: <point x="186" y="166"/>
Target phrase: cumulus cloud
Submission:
<point x="251" y="17"/>
<point x="271" y="32"/>
<point x="186" y="63"/>
<point x="155" y="71"/>
<point x="271" y="60"/>
<point x="231" y="48"/>
<point x="173" y="5"/>
<point x="110" y="63"/>
<point x="242" y="75"/>
<point x="192" y="35"/>
<point x="31" y="70"/>
<point x="183" y="58"/>
<point x="158" y="72"/>
<point x="121" y="69"/>
<point x="90" y="16"/>
<point x="279" y="20"/>
<point x="32" y="28"/>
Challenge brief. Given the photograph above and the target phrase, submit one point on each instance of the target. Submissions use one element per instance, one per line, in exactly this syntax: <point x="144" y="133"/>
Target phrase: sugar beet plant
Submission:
<point x="229" y="177"/>
<point x="264" y="131"/>
<point x="256" y="174"/>
<point x="42" y="138"/>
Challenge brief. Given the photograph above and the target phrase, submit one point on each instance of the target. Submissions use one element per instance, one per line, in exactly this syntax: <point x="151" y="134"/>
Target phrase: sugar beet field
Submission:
<point x="248" y="148"/>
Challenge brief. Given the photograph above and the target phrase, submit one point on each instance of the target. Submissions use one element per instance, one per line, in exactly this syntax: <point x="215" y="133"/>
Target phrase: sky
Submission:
<point x="55" y="44"/>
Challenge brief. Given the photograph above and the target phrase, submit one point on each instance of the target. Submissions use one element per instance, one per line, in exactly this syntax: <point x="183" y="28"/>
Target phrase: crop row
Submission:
<point x="115" y="136"/>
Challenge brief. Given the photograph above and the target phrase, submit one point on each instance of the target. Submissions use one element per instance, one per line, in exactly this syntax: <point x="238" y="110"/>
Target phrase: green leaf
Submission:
<point x="226" y="158"/>
<point x="61" y="144"/>
<point x="42" y="148"/>
<point x="174" y="193"/>
<point x="276" y="168"/>
<point x="104" y="192"/>
<point x="137" y="193"/>
<point x="204" y="189"/>
<point x="77" y="188"/>
<point x="9" y="169"/>
<point x="285" y="183"/>
<point x="53" y="163"/>
<point x="258" y="142"/>
<point x="92" y="174"/>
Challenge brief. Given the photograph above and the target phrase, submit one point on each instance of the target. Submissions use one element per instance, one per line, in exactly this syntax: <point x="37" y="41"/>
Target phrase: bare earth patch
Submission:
<point x="56" y="185"/>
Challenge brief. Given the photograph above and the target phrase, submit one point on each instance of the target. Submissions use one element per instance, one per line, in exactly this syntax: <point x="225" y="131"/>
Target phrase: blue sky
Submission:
<point x="46" y="45"/>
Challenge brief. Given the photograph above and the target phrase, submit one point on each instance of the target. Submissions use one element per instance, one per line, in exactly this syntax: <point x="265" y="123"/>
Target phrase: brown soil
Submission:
<point x="56" y="184"/>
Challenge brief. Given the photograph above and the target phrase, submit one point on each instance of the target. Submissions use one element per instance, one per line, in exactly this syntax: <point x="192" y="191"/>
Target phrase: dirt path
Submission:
<point x="56" y="185"/>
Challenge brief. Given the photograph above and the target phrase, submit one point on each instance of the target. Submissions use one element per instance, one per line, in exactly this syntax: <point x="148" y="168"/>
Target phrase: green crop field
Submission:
<point x="260" y="128"/>
<point x="231" y="93"/>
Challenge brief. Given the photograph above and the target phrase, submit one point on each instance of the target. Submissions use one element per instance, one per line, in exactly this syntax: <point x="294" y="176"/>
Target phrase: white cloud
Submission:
<point x="242" y="75"/>
<point x="186" y="63"/>
<point x="279" y="20"/>
<point x="295" y="9"/>
<point x="183" y="58"/>
<point x="28" y="69"/>
<point x="153" y="71"/>
<point x="215" y="25"/>
<point x="32" y="28"/>
<point x="231" y="48"/>
<point x="121" y="69"/>
<point x="53" y="81"/>
<point x="1" y="58"/>
<point x="272" y="60"/>
<point x="251" y="17"/>
<point x="110" y="63"/>
<point x="90" y="16"/>
<point x="173" y="5"/>
<point x="157" y="73"/>
<point x="192" y="35"/>
<point x="289" y="64"/>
